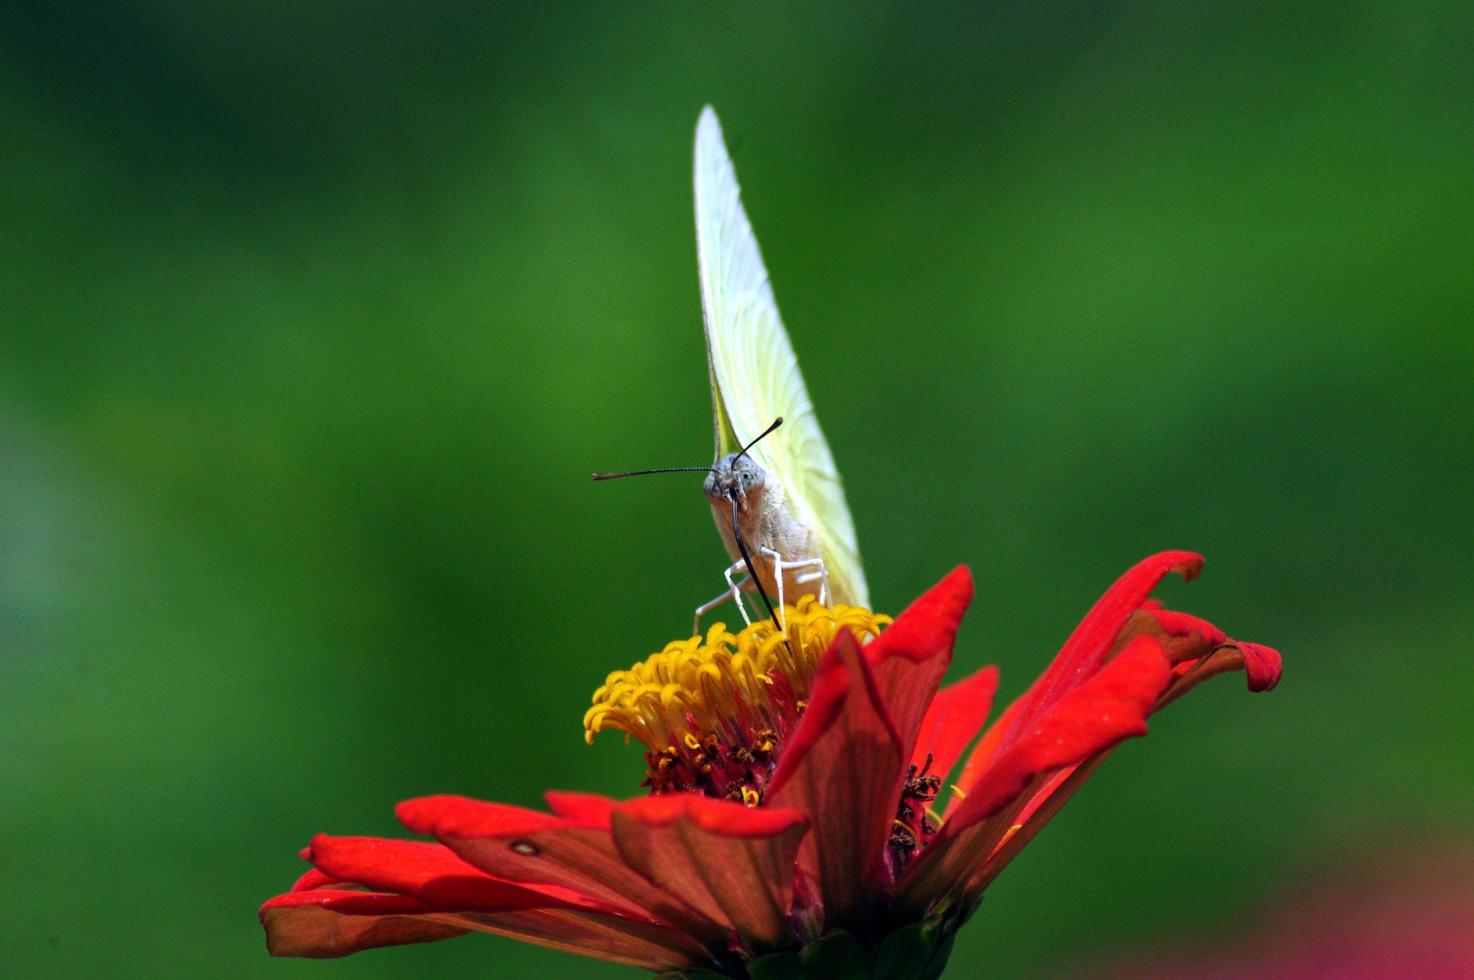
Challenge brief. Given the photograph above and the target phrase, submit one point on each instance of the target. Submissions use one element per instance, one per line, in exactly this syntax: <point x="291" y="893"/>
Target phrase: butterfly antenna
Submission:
<point x="761" y="436"/>
<point x="658" y="469"/>
<point x="689" y="469"/>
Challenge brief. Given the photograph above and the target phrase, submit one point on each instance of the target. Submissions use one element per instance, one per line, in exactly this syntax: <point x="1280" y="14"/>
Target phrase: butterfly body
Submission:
<point x="745" y="500"/>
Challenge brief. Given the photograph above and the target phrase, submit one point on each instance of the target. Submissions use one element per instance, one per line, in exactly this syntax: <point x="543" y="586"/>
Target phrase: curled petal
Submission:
<point x="1175" y="623"/>
<point x="1099" y="634"/>
<point x="1088" y="645"/>
<point x="1262" y="665"/>
<point x="1200" y="650"/>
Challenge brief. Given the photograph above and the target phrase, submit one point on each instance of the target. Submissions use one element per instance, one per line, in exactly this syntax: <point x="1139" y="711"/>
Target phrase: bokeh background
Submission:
<point x="315" y="320"/>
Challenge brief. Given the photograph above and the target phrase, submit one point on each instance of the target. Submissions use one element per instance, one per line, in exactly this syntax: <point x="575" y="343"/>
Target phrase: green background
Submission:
<point x="316" y="320"/>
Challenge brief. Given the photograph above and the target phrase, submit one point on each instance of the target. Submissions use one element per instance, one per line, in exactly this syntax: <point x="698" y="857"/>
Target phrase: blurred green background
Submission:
<point x="315" y="321"/>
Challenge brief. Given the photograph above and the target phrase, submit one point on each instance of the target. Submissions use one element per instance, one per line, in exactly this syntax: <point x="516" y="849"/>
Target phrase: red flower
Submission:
<point x="792" y="777"/>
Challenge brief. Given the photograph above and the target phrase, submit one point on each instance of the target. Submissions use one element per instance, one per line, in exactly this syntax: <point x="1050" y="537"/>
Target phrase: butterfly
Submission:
<point x="778" y="500"/>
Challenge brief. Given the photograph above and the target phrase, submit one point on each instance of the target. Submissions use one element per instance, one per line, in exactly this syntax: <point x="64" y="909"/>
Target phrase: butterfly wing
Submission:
<point x="754" y="372"/>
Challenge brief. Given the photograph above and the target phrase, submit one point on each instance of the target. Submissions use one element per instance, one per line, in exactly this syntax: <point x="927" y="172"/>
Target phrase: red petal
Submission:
<point x="842" y="770"/>
<point x="350" y="901"/>
<point x="1261" y="664"/>
<point x="588" y="808"/>
<point x="1091" y="642"/>
<point x="313" y="878"/>
<point x="306" y="924"/>
<point x="1176" y="623"/>
<point x="955" y="716"/>
<point x="525" y="846"/>
<point x="1110" y="706"/>
<point x="983" y="753"/>
<point x="910" y="657"/>
<point x="720" y="817"/>
<point x="330" y="924"/>
<point x="651" y="947"/>
<point x="1201" y="650"/>
<point x="1044" y="802"/>
<point x="461" y="816"/>
<point x="733" y="864"/>
<point x="430" y="872"/>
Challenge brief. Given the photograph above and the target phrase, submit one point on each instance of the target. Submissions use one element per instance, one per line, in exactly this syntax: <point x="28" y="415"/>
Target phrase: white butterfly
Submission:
<point x="783" y="496"/>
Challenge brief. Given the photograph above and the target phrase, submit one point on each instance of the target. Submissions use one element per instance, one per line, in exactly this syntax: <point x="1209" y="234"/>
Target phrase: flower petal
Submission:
<point x="733" y="864"/>
<point x="1262" y="665"/>
<point x="529" y="847"/>
<point x="1044" y="801"/>
<point x="956" y="715"/>
<point x="1111" y="706"/>
<point x="910" y="657"/>
<point x="1199" y="650"/>
<point x="1081" y="656"/>
<point x="986" y="749"/>
<point x="335" y="923"/>
<point x="589" y="808"/>
<point x="308" y="923"/>
<point x="585" y="933"/>
<point x="1175" y="623"/>
<point x="431" y="873"/>
<point x="312" y="879"/>
<point x="1091" y="718"/>
<point x="842" y="770"/>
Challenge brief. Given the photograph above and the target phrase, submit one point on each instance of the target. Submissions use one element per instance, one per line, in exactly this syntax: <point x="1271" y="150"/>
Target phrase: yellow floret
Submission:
<point x="724" y="681"/>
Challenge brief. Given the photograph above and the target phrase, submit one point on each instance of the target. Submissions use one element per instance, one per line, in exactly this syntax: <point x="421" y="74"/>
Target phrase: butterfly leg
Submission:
<point x="778" y="566"/>
<point x="736" y="587"/>
<point x="734" y="591"/>
<point x="818" y="572"/>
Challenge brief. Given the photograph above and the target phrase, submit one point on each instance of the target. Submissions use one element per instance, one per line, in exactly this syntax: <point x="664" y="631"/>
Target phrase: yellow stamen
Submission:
<point x="724" y="684"/>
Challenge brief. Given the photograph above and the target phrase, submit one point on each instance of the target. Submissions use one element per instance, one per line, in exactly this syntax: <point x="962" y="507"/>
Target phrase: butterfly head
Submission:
<point x="734" y="477"/>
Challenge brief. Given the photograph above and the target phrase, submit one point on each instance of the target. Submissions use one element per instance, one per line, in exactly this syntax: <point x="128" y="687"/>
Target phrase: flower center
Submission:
<point x="714" y="711"/>
<point x="914" y="826"/>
